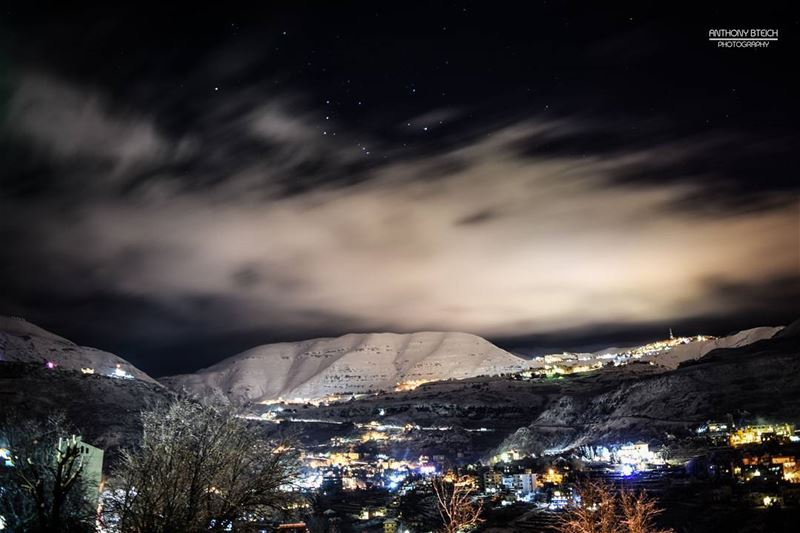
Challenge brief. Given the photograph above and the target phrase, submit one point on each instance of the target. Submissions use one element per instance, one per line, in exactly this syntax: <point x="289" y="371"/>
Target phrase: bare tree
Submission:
<point x="602" y="509"/>
<point x="456" y="505"/>
<point x="199" y="467"/>
<point x="595" y="511"/>
<point x="43" y="487"/>
<point x="640" y="512"/>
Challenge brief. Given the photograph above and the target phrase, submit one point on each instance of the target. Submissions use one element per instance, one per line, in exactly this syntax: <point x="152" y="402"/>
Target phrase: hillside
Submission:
<point x="104" y="410"/>
<point x="23" y="342"/>
<point x="616" y="404"/>
<point x="484" y="410"/>
<point x="696" y="350"/>
<point x="351" y="364"/>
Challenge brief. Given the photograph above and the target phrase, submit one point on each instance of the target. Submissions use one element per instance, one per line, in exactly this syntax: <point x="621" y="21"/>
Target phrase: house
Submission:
<point x="91" y="461"/>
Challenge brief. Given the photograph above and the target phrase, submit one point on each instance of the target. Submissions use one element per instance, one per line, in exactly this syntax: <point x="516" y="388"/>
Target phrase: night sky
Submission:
<point x="182" y="182"/>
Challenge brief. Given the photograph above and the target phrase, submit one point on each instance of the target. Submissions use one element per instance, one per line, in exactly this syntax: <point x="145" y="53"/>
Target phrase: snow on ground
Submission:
<point x="352" y="364"/>
<point x="23" y="342"/>
<point x="696" y="350"/>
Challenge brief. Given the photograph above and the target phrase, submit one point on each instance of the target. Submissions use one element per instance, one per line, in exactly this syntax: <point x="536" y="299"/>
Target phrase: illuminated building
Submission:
<point x="636" y="454"/>
<point x="527" y="483"/>
<point x="492" y="480"/>
<point x="712" y="427"/>
<point x="91" y="461"/>
<point x="369" y="512"/>
<point x="343" y="458"/>
<point x="351" y="482"/>
<point x="373" y="436"/>
<point x="760" y="433"/>
<point x="410" y="385"/>
<point x="553" y="476"/>
<point x="506" y="456"/>
<point x="791" y="471"/>
<point x="716" y="432"/>
<point x="296" y="527"/>
<point x="718" y="427"/>
<point x="523" y="483"/>
<point x="6" y="459"/>
<point x="120" y="373"/>
<point x="780" y="466"/>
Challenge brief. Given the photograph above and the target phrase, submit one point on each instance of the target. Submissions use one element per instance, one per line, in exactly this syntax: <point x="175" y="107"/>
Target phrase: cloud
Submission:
<point x="433" y="118"/>
<point x="71" y="123"/>
<point x="275" y="123"/>
<point x="505" y="242"/>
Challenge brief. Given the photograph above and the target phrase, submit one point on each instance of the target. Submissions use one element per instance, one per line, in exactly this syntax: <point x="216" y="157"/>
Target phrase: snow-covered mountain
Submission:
<point x="615" y="404"/>
<point x="23" y="342"/>
<point x="666" y="354"/>
<point x="351" y="364"/>
<point x="696" y="350"/>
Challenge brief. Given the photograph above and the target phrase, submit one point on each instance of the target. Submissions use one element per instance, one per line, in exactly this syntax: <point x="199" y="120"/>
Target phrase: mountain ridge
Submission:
<point x="24" y="342"/>
<point x="350" y="364"/>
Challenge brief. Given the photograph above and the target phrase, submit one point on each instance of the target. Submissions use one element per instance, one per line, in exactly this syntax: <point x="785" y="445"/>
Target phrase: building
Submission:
<point x="492" y="481"/>
<point x="332" y="480"/>
<point x="761" y="433"/>
<point x="780" y="466"/>
<point x="522" y="483"/>
<point x="368" y="512"/>
<point x="91" y="461"/>
<point x="295" y="527"/>
<point x="716" y="431"/>
<point x="553" y="477"/>
<point x="718" y="427"/>
<point x="120" y="373"/>
<point x="634" y="454"/>
<point x="506" y="457"/>
<point x="526" y="483"/>
<point x="390" y="526"/>
<point x="6" y="458"/>
<point x="342" y="458"/>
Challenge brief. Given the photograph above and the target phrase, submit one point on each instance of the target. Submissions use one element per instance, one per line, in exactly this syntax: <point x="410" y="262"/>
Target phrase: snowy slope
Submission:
<point x="21" y="341"/>
<point x="354" y="363"/>
<point x="758" y="381"/>
<point x="696" y="350"/>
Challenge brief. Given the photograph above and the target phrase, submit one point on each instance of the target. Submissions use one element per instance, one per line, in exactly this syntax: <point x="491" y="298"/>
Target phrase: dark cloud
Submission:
<point x="478" y="217"/>
<point x="247" y="276"/>
<point x="750" y="304"/>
